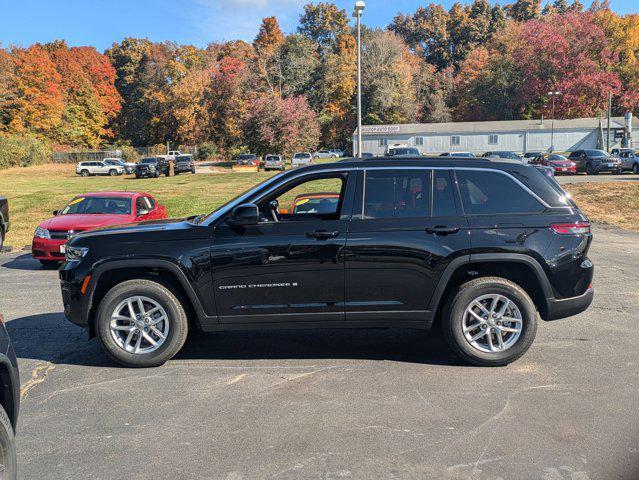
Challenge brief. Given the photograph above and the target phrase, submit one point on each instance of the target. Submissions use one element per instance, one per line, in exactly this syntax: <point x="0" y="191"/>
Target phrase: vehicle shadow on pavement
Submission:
<point x="52" y="338"/>
<point x="393" y="344"/>
<point x="27" y="262"/>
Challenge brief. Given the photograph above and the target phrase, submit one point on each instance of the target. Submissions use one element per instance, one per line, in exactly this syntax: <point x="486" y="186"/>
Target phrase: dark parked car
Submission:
<point x="480" y="248"/>
<point x="595" y="161"/>
<point x="153" y="167"/>
<point x="183" y="163"/>
<point x="502" y="154"/>
<point x="4" y="219"/>
<point x="529" y="156"/>
<point x="9" y="405"/>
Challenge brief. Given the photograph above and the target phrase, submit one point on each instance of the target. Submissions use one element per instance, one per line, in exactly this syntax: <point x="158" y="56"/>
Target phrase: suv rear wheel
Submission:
<point x="140" y="323"/>
<point x="490" y="321"/>
<point x="84" y="173"/>
<point x="635" y="169"/>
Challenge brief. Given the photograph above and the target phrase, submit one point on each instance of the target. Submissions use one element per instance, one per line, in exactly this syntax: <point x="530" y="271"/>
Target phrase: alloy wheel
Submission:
<point x="492" y="323"/>
<point x="139" y="325"/>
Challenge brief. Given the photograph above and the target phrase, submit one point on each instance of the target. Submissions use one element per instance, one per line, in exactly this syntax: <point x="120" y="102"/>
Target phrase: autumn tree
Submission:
<point x="284" y="126"/>
<point x="300" y="60"/>
<point x="523" y="10"/>
<point x="323" y="23"/>
<point x="267" y="45"/>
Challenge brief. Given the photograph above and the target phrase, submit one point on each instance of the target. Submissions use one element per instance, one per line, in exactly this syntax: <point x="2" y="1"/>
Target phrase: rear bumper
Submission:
<point x="47" y="249"/>
<point x="567" y="307"/>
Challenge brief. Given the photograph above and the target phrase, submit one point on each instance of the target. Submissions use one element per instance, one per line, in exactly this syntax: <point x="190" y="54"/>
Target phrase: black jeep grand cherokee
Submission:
<point x="478" y="247"/>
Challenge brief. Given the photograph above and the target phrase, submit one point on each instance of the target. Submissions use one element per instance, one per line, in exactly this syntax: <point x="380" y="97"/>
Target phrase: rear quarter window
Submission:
<point x="492" y="193"/>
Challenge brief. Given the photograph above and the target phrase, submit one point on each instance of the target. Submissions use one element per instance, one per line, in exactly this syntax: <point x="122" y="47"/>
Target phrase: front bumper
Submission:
<point x="183" y="168"/>
<point x="567" y="307"/>
<point x="605" y="168"/>
<point x="145" y="173"/>
<point x="47" y="249"/>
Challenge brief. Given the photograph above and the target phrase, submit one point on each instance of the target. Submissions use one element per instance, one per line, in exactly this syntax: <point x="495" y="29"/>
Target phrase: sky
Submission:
<point x="100" y="23"/>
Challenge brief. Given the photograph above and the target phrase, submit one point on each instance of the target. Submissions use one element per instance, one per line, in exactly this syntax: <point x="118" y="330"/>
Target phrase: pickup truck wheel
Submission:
<point x="84" y="173"/>
<point x="635" y="169"/>
<point x="590" y="170"/>
<point x="8" y="460"/>
<point x="140" y="323"/>
<point x="490" y="321"/>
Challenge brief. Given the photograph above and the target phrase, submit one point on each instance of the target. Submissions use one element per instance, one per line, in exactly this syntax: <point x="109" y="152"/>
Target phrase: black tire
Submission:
<point x="459" y="300"/>
<point x="193" y="170"/>
<point x="176" y="173"/>
<point x="8" y="460"/>
<point x="137" y="175"/>
<point x="590" y="170"/>
<point x="113" y="172"/>
<point x="156" y="174"/>
<point x="635" y="169"/>
<point x="167" y="173"/>
<point x="1" y="238"/>
<point x="178" y="323"/>
<point x="84" y="173"/>
<point x="49" y="263"/>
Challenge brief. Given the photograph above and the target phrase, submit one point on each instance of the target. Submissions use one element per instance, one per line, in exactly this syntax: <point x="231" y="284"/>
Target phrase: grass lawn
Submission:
<point x="615" y="203"/>
<point x="34" y="192"/>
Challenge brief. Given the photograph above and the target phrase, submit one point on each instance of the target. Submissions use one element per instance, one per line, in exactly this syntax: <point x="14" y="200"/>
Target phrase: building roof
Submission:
<point x="492" y="126"/>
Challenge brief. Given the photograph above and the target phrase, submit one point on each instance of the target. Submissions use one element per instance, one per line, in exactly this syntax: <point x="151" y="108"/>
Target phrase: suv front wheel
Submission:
<point x="140" y="323"/>
<point x="490" y="321"/>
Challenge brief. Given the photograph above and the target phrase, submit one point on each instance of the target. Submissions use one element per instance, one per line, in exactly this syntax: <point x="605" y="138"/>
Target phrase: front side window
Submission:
<point x="397" y="194"/>
<point x="455" y="140"/>
<point x="313" y="199"/>
<point x="490" y="193"/>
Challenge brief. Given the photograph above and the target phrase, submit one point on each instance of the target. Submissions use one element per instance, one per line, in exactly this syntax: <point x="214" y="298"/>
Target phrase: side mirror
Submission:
<point x="55" y="213"/>
<point x="244" y="215"/>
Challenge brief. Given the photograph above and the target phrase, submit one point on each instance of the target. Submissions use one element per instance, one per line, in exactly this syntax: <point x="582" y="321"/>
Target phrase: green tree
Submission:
<point x="323" y="23"/>
<point x="299" y="63"/>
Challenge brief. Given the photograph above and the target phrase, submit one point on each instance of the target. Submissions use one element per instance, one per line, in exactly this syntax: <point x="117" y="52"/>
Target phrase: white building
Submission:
<point x="514" y="135"/>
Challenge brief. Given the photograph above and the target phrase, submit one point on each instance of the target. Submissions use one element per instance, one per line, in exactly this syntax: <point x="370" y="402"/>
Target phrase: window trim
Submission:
<point x="490" y="139"/>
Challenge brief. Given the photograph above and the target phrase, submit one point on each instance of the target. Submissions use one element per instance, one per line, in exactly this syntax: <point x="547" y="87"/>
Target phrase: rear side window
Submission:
<point x="489" y="193"/>
<point x="398" y="194"/>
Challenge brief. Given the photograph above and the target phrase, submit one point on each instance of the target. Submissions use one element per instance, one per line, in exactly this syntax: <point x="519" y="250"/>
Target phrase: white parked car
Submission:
<point x="301" y="159"/>
<point x="331" y="153"/>
<point x="98" y="168"/>
<point x="129" y="167"/>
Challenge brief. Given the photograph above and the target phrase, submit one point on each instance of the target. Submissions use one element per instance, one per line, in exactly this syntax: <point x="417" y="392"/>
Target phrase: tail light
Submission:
<point x="576" y="228"/>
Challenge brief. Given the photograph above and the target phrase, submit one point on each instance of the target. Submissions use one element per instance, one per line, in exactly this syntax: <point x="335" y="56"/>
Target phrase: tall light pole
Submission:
<point x="552" y="95"/>
<point x="357" y="13"/>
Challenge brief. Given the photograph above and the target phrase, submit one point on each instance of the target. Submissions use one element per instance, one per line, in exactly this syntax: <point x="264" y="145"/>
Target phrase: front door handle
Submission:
<point x="442" y="230"/>
<point x="322" y="234"/>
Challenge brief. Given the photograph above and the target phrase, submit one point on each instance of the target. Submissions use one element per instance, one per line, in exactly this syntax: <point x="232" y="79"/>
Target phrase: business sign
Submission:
<point x="380" y="129"/>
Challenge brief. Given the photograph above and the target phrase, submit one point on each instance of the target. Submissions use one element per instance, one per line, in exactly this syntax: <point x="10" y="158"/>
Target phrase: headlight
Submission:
<point x="42" y="233"/>
<point x="75" y="253"/>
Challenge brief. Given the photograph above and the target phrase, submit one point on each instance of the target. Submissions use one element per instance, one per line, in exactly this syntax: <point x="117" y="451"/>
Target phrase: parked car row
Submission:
<point x="147" y="167"/>
<point x="278" y="162"/>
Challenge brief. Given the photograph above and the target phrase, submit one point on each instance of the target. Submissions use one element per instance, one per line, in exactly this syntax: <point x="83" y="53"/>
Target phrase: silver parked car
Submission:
<point x="98" y="168"/>
<point x="274" y="162"/>
<point x="301" y="159"/>
<point x="129" y="167"/>
<point x="629" y="161"/>
<point x="326" y="154"/>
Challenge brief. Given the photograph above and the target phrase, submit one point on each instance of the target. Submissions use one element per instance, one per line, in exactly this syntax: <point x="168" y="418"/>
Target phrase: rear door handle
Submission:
<point x="322" y="234"/>
<point x="442" y="230"/>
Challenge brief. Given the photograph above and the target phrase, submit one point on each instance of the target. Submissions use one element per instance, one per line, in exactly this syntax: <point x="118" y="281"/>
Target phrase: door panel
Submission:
<point x="393" y="264"/>
<point x="286" y="271"/>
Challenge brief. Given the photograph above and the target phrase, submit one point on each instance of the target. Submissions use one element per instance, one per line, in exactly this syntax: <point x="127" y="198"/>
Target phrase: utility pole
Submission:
<point x="357" y="13"/>
<point x="552" y="95"/>
<point x="608" y="127"/>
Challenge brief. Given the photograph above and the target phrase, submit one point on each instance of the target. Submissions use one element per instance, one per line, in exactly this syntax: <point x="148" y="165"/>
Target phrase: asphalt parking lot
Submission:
<point x="332" y="404"/>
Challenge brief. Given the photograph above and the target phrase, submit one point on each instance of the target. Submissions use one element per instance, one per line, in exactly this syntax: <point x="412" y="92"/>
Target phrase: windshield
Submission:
<point x="148" y="160"/>
<point x="272" y="158"/>
<point x="245" y="156"/>
<point x="98" y="206"/>
<point x="597" y="153"/>
<point x="302" y="155"/>
<point x="405" y="151"/>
